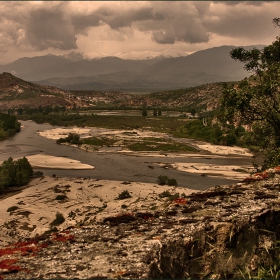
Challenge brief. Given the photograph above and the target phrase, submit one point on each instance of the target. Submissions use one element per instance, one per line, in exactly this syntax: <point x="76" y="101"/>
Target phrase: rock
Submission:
<point x="224" y="232"/>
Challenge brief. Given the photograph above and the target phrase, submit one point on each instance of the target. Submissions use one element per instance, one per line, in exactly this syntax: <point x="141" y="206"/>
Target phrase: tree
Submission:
<point x="255" y="101"/>
<point x="15" y="173"/>
<point x="7" y="173"/>
<point x="23" y="171"/>
<point x="144" y="112"/>
<point x="193" y="111"/>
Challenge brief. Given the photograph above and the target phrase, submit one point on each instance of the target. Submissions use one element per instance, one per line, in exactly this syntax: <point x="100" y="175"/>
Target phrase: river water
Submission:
<point x="111" y="166"/>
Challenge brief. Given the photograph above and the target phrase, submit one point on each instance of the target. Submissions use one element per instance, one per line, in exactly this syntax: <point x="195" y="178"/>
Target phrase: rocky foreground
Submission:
<point x="224" y="232"/>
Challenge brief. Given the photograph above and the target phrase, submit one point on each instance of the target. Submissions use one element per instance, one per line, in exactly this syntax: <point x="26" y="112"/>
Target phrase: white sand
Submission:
<point x="57" y="133"/>
<point x="212" y="170"/>
<point x="90" y="198"/>
<point x="225" y="150"/>
<point x="203" y="169"/>
<point x="47" y="161"/>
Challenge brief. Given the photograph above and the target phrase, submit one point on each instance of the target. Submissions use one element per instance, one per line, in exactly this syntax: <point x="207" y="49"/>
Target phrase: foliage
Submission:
<point x="164" y="180"/>
<point x="158" y="146"/>
<point x="171" y="182"/>
<point x="256" y="101"/>
<point x="193" y="111"/>
<point x="8" y="126"/>
<point x="169" y="195"/>
<point x="98" y="141"/>
<point x="163" y="124"/>
<point x="124" y="194"/>
<point x="144" y="112"/>
<point x="15" y="173"/>
<point x="72" y="138"/>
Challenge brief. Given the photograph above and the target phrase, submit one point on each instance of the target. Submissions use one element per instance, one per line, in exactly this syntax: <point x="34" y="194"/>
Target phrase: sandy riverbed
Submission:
<point x="231" y="172"/>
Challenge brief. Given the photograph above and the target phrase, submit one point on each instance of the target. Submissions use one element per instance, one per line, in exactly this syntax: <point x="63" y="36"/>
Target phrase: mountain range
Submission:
<point x="113" y="73"/>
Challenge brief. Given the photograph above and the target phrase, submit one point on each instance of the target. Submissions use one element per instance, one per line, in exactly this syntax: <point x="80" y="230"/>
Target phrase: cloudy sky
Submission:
<point x="99" y="28"/>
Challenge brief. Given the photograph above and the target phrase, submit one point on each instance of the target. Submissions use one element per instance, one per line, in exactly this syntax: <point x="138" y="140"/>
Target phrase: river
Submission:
<point x="111" y="166"/>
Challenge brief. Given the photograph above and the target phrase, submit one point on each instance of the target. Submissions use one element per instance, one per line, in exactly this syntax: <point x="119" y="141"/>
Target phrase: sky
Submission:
<point x="131" y="29"/>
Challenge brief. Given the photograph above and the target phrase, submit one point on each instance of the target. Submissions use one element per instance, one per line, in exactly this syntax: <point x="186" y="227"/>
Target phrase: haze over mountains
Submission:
<point x="72" y="71"/>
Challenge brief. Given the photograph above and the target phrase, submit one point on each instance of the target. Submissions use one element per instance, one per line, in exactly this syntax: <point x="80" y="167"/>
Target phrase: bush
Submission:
<point x="144" y="113"/>
<point x="171" y="182"/>
<point x="164" y="180"/>
<point x="165" y="194"/>
<point x="123" y="195"/>
<point x="169" y="195"/>
<point x="230" y="139"/>
<point x="72" y="138"/>
<point x="15" y="173"/>
<point x="161" y="180"/>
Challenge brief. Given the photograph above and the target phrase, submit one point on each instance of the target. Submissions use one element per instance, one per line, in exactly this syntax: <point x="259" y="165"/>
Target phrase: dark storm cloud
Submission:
<point x="35" y="27"/>
<point x="240" y="21"/>
<point x="253" y="3"/>
<point x="114" y="17"/>
<point x="168" y="22"/>
<point x="50" y="28"/>
<point x="39" y="26"/>
<point x="164" y="38"/>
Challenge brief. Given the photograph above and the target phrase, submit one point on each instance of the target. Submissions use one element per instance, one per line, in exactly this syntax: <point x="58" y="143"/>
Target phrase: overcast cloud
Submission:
<point x="116" y="28"/>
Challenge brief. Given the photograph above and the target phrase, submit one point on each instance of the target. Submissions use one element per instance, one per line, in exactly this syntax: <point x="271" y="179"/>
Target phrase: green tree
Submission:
<point x="15" y="173"/>
<point x="255" y="101"/>
<point x="19" y="111"/>
<point x="23" y="171"/>
<point x="144" y="112"/>
<point x="7" y="173"/>
<point x="193" y="112"/>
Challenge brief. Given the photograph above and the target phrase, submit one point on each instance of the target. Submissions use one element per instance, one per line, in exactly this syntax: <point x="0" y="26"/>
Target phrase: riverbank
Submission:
<point x="119" y="163"/>
<point x="206" y="150"/>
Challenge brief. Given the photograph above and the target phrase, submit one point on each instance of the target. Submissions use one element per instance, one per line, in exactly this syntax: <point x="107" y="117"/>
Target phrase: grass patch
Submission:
<point x="99" y="141"/>
<point x="162" y="124"/>
<point x="159" y="146"/>
<point x="169" y="195"/>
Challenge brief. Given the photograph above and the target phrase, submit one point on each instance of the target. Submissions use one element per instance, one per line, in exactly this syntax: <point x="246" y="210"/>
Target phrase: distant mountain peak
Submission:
<point x="74" y="56"/>
<point x="137" y="55"/>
